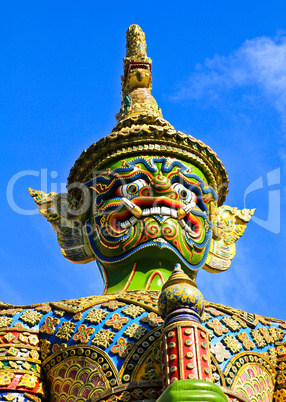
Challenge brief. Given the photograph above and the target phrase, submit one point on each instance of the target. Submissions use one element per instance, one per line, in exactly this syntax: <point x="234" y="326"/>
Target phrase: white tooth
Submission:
<point x="189" y="207"/>
<point x="133" y="220"/>
<point x="174" y="213"/>
<point x="188" y="229"/>
<point x="146" y="212"/>
<point x="125" y="224"/>
<point x="165" y="211"/>
<point x="129" y="204"/>
<point x="156" y="210"/>
<point x="182" y="223"/>
<point x="193" y="204"/>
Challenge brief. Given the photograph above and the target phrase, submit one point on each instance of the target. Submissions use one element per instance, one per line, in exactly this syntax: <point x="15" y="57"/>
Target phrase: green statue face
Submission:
<point x="153" y="202"/>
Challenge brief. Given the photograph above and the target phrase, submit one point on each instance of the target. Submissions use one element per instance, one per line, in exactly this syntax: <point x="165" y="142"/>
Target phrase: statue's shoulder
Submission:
<point x="244" y="345"/>
<point x="20" y="358"/>
<point x="145" y="299"/>
<point x="106" y="331"/>
<point x="113" y="332"/>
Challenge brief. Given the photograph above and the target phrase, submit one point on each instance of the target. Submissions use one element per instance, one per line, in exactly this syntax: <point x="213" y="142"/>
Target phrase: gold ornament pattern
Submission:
<point x="28" y="381"/>
<point x="122" y="347"/>
<point x="31" y="317"/>
<point x="45" y="347"/>
<point x="217" y="327"/>
<point x="232" y="343"/>
<point x="5" y="321"/>
<point x="280" y="395"/>
<point x="152" y="319"/>
<point x="6" y="378"/>
<point x="116" y="321"/>
<point x="231" y="323"/>
<point x="50" y="325"/>
<point x="66" y="330"/>
<point x="44" y="308"/>
<point x="247" y="343"/>
<point x="103" y="338"/>
<point x="112" y="305"/>
<point x="276" y="333"/>
<point x="135" y="331"/>
<point x="258" y="338"/>
<point x="95" y="316"/>
<point x="133" y="311"/>
<point x="83" y="333"/>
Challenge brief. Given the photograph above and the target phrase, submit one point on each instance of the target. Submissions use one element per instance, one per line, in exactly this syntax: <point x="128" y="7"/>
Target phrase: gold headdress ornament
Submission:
<point x="142" y="128"/>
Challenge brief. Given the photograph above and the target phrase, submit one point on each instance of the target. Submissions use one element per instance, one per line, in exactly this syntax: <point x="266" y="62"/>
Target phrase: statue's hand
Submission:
<point x="192" y="390"/>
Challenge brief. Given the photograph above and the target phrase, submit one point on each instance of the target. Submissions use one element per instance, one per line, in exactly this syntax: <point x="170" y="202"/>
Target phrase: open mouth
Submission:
<point x="136" y="66"/>
<point x="163" y="208"/>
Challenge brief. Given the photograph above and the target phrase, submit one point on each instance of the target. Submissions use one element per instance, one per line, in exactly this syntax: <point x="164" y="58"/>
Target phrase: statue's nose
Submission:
<point x="161" y="183"/>
<point x="162" y="186"/>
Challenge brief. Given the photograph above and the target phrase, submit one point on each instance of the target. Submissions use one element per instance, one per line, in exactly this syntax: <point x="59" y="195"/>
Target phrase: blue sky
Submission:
<point x="219" y="73"/>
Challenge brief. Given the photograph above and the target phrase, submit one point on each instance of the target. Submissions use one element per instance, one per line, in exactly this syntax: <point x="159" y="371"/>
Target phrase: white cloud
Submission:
<point x="260" y="62"/>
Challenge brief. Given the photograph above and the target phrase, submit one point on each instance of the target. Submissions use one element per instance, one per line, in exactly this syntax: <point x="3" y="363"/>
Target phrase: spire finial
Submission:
<point x="137" y="65"/>
<point x="136" y="87"/>
<point x="136" y="47"/>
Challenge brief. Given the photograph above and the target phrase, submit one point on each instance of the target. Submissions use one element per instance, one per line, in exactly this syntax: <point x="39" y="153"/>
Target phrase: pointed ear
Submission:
<point x="68" y="220"/>
<point x="228" y="226"/>
<point x="46" y="203"/>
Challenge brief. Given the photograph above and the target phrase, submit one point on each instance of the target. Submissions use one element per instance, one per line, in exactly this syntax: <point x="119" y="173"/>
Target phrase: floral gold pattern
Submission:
<point x="247" y="343"/>
<point x="122" y="347"/>
<point x="31" y="317"/>
<point x="116" y="321"/>
<point x="135" y="331"/>
<point x="45" y="347"/>
<point x="231" y="323"/>
<point x="231" y="343"/>
<point x="152" y="319"/>
<point x="6" y="378"/>
<point x="49" y="326"/>
<point x="66" y="330"/>
<point x="95" y="316"/>
<point x="217" y="327"/>
<point x="5" y="321"/>
<point x="28" y="381"/>
<point x="103" y="338"/>
<point x="133" y="311"/>
<point x="83" y="333"/>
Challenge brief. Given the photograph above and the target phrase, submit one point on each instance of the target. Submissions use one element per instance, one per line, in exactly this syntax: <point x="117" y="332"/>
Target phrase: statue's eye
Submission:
<point x="184" y="193"/>
<point x="127" y="190"/>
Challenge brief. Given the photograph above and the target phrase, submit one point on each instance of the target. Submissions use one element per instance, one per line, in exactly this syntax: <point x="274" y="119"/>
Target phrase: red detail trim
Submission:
<point x="106" y="279"/>
<point x="152" y="277"/>
<point x="130" y="277"/>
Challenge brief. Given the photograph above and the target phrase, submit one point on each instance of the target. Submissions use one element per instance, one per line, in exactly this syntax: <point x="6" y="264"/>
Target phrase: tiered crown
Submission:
<point x="141" y="127"/>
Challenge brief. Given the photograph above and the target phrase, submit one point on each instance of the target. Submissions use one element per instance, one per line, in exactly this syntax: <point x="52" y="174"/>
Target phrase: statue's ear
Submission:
<point x="228" y="226"/>
<point x="68" y="218"/>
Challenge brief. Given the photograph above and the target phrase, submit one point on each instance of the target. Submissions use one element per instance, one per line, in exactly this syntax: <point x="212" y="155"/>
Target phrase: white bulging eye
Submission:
<point x="184" y="193"/>
<point x="127" y="190"/>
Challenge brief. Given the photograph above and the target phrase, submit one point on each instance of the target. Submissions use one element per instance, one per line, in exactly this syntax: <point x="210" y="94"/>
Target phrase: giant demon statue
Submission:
<point x="146" y="203"/>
